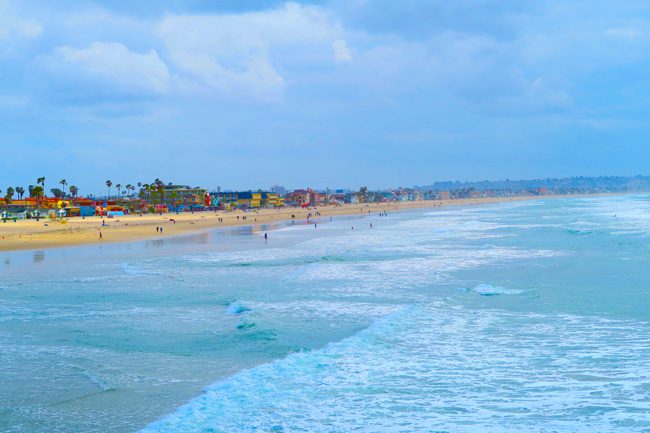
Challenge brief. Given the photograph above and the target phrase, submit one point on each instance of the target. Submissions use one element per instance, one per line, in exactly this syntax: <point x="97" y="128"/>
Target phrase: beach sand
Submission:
<point x="32" y="234"/>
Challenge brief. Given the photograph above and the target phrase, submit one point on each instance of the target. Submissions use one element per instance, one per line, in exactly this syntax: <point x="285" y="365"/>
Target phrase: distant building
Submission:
<point x="279" y="190"/>
<point x="224" y="199"/>
<point x="249" y="199"/>
<point x="297" y="197"/>
<point x="182" y="197"/>
<point x="272" y="199"/>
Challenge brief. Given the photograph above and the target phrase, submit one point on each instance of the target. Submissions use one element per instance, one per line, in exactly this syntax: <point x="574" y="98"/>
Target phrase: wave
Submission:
<point x="442" y="367"/>
<point x="490" y="290"/>
<point x="236" y="309"/>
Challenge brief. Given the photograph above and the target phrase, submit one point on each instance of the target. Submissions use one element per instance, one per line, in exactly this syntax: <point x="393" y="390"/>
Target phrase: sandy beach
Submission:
<point x="32" y="234"/>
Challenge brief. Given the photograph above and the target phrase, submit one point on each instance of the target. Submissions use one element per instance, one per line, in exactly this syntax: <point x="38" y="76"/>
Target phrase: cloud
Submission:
<point x="341" y="51"/>
<point x="16" y="31"/>
<point x="266" y="77"/>
<point x="108" y="68"/>
<point x="624" y="33"/>
<point x="248" y="54"/>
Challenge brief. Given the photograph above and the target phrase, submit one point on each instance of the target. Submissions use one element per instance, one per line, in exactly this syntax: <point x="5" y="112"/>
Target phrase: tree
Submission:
<point x="63" y="183"/>
<point x="8" y="196"/>
<point x="41" y="180"/>
<point x="144" y="192"/>
<point x="109" y="184"/>
<point x="20" y="191"/>
<point x="363" y="192"/>
<point x="57" y="192"/>
<point x="74" y="190"/>
<point x="127" y="188"/>
<point x="37" y="192"/>
<point x="160" y="187"/>
<point x="119" y="189"/>
<point x="31" y="190"/>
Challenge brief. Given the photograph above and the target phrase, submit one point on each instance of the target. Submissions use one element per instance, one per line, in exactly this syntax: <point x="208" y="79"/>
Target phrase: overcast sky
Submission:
<point x="339" y="93"/>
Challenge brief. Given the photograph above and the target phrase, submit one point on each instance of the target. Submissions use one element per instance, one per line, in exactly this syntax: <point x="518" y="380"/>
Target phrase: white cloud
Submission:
<point x="247" y="54"/>
<point x="114" y="65"/>
<point x="341" y="51"/>
<point x="12" y="26"/>
<point x="624" y="33"/>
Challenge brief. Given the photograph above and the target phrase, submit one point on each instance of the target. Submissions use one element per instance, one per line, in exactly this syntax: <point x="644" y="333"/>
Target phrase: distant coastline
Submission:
<point x="31" y="234"/>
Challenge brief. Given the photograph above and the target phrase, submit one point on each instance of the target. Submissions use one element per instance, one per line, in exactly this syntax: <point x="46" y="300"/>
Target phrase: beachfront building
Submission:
<point x="305" y="197"/>
<point x="271" y="199"/>
<point x="249" y="199"/>
<point x="182" y="198"/>
<point x="223" y="200"/>
<point x="298" y="197"/>
<point x="41" y="206"/>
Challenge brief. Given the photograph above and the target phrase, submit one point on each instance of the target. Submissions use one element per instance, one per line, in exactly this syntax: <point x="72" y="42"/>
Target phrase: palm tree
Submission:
<point x="74" y="190"/>
<point x="30" y="188"/>
<point x="41" y="180"/>
<point x="144" y="191"/>
<point x="20" y="190"/>
<point x="127" y="188"/>
<point x="63" y="183"/>
<point x="37" y="192"/>
<point x="109" y="184"/>
<point x="160" y="189"/>
<point x="8" y="196"/>
<point x="119" y="189"/>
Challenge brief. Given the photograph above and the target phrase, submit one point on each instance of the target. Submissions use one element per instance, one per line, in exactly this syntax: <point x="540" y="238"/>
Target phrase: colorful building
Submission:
<point x="249" y="199"/>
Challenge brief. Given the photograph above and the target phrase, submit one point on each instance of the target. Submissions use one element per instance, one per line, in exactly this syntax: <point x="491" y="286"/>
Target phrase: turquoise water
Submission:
<point x="517" y="317"/>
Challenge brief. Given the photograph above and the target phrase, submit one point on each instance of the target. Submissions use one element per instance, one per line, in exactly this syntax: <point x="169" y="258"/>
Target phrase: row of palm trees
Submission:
<point x="38" y="190"/>
<point x="147" y="190"/>
<point x="128" y="189"/>
<point x="152" y="192"/>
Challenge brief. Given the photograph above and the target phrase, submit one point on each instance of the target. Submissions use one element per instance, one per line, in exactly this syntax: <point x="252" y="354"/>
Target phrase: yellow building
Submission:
<point x="249" y="199"/>
<point x="274" y="200"/>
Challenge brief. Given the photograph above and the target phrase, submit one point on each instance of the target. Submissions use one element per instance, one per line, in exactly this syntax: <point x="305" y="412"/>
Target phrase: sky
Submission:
<point x="332" y="93"/>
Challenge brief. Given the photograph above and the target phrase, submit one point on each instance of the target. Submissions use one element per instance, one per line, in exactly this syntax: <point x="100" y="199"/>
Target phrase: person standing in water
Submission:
<point x="266" y="236"/>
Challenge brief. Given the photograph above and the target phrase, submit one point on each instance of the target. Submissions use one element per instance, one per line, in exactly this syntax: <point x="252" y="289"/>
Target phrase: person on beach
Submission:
<point x="101" y="237"/>
<point x="157" y="229"/>
<point x="161" y="230"/>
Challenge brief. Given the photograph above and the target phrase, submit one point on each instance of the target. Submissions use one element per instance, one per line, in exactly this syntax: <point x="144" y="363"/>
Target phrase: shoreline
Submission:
<point x="69" y="232"/>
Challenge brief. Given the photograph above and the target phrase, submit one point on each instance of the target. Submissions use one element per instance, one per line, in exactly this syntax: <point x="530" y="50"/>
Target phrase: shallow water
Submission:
<point x="515" y="317"/>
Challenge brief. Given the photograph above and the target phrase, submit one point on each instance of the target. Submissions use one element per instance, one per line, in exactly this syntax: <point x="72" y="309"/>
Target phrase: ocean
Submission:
<point x="527" y="316"/>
